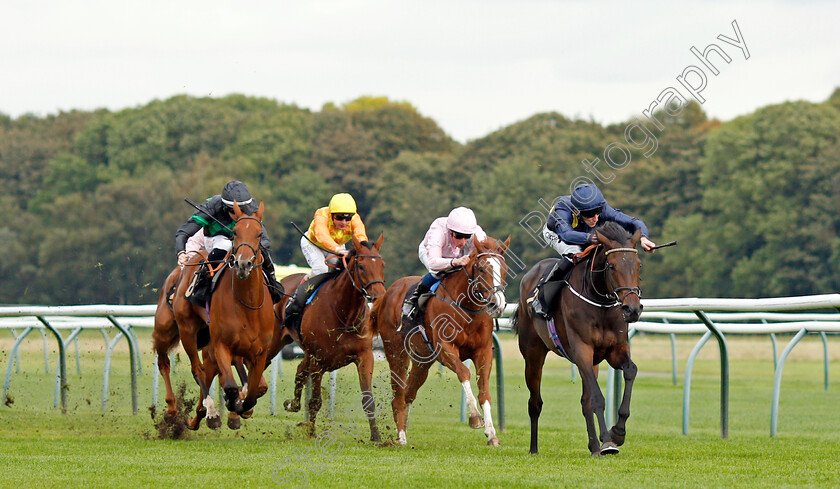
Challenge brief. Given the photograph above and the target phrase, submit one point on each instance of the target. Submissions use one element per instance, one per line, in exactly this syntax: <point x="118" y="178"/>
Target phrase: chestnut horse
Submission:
<point x="241" y="316"/>
<point x="333" y="332"/>
<point x="591" y="316"/>
<point x="459" y="325"/>
<point x="167" y="332"/>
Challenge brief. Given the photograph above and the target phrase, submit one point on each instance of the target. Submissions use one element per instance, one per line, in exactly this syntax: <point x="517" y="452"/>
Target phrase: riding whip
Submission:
<point x="672" y="243"/>
<point x="313" y="243"/>
<point x="199" y="209"/>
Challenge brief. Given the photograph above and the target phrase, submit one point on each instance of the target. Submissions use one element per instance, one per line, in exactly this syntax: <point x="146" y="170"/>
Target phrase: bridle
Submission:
<point x="614" y="293"/>
<point x="486" y="297"/>
<point x="230" y="263"/>
<point x="356" y="278"/>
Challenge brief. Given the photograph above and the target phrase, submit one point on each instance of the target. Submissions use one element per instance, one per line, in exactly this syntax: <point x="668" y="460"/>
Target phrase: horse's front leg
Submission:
<point x="450" y="358"/>
<point x="231" y="388"/>
<point x="483" y="366"/>
<point x="253" y="384"/>
<point x="293" y="405"/>
<point x="620" y="359"/>
<point x="211" y="369"/>
<point x="317" y="373"/>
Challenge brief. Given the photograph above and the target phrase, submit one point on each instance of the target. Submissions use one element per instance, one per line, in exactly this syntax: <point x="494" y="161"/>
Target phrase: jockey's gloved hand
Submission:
<point x="593" y="238"/>
<point x="182" y="258"/>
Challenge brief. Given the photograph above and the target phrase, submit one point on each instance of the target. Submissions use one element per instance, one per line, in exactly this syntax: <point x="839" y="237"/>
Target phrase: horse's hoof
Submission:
<point x="214" y="423"/>
<point x="476" y="422"/>
<point x="193" y="424"/>
<point x="292" y="405"/>
<point x="493" y="442"/>
<point x="238" y="407"/>
<point x="247" y="414"/>
<point x="233" y="423"/>
<point x="609" y="448"/>
<point x="168" y="416"/>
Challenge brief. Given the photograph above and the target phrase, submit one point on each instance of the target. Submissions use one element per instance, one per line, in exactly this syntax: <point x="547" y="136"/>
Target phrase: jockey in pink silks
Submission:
<point x="447" y="244"/>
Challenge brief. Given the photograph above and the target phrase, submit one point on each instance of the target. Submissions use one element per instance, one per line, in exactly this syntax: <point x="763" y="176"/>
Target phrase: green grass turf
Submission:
<point x="89" y="448"/>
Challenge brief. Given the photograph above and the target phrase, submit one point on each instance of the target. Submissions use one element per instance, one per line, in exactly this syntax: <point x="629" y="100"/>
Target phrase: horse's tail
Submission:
<point x="514" y="319"/>
<point x="373" y="317"/>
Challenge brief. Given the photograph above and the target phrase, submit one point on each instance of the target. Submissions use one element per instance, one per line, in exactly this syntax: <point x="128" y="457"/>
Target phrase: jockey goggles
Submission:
<point x="343" y="216"/>
<point x="457" y="235"/>
<point x="592" y="212"/>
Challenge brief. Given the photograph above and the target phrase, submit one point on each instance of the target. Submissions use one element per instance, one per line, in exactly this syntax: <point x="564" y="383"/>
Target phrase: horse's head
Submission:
<point x="622" y="268"/>
<point x="488" y="270"/>
<point x="367" y="268"/>
<point x="245" y="254"/>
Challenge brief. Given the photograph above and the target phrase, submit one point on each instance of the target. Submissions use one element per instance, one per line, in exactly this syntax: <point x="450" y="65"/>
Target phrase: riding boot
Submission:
<point x="203" y="288"/>
<point x="198" y="293"/>
<point x="274" y="287"/>
<point x="292" y="311"/>
<point x="411" y="311"/>
<point x="539" y="303"/>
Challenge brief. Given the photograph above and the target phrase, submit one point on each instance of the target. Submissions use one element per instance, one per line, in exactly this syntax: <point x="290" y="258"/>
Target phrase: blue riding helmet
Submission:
<point x="587" y="197"/>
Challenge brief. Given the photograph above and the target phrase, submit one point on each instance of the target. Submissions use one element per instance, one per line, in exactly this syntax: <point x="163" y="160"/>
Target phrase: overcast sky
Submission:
<point x="472" y="66"/>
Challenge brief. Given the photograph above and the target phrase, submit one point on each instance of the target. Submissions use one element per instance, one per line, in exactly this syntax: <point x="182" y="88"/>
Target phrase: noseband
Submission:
<point x="616" y="290"/>
<point x="354" y="277"/>
<point x="477" y="268"/>
<point x="231" y="263"/>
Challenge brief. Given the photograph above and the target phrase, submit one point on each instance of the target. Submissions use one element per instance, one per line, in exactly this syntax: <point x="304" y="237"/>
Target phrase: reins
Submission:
<point x="613" y="295"/>
<point x="471" y="279"/>
<point x="229" y="261"/>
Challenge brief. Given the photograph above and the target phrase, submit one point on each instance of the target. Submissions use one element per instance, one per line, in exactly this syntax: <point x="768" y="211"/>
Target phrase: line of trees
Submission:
<point x="94" y="198"/>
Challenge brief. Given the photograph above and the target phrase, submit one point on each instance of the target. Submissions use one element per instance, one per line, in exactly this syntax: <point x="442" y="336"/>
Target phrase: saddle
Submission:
<point x="554" y="279"/>
<point x="293" y="312"/>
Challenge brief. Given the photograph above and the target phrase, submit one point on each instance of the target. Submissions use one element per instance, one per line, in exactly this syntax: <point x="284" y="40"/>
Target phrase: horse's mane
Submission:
<point x="367" y="244"/>
<point x="615" y="232"/>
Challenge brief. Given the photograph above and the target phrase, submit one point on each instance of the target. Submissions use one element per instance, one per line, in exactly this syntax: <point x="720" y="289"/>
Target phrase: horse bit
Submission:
<point x="363" y="289"/>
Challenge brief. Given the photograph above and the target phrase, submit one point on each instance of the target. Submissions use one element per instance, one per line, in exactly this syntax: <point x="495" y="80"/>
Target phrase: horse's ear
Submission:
<point x="601" y="238"/>
<point x="237" y="212"/>
<point x="637" y="236"/>
<point x="260" y="211"/>
<point x="379" y="241"/>
<point x="507" y="243"/>
<point x="356" y="243"/>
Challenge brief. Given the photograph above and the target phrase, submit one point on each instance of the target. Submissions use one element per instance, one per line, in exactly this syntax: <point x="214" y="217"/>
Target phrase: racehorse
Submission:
<point x="241" y="315"/>
<point x="459" y="325"/>
<point x="333" y="332"/>
<point x="192" y="331"/>
<point x="591" y="317"/>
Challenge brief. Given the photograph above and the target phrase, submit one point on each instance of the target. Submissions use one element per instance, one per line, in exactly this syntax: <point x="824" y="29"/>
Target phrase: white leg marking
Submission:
<point x="401" y="437"/>
<point x="211" y="407"/>
<point x="471" y="402"/>
<point x="244" y="391"/>
<point x="489" y="430"/>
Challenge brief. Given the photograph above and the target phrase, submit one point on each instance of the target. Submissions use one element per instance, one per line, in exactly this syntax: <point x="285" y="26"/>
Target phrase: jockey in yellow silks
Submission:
<point x="331" y="228"/>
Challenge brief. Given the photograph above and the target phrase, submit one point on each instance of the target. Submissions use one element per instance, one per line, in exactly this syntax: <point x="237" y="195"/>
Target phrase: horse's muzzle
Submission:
<point x="631" y="313"/>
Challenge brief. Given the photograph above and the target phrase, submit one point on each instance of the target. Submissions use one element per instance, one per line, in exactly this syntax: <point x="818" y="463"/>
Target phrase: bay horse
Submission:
<point x="241" y="316"/>
<point x="459" y="324"/>
<point x="591" y="315"/>
<point x="333" y="332"/>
